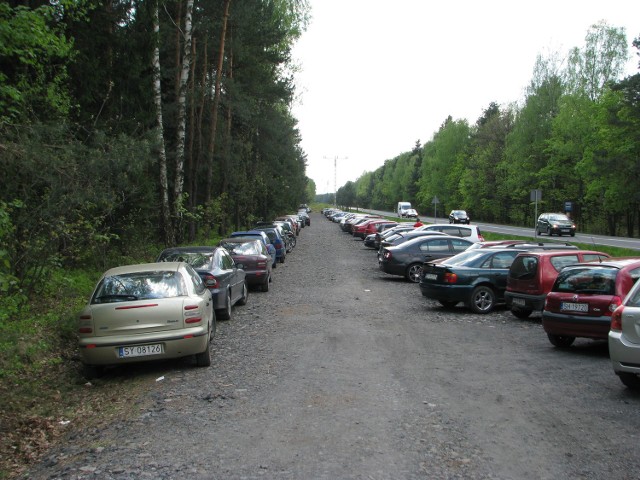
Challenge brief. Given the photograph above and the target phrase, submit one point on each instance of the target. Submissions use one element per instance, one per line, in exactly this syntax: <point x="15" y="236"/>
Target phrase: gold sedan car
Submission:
<point x="146" y="312"/>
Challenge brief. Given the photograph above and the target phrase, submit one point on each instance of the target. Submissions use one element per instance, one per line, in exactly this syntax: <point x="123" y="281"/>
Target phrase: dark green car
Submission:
<point x="477" y="278"/>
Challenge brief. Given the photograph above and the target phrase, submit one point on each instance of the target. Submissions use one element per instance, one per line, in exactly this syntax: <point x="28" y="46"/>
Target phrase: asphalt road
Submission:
<point x="343" y="372"/>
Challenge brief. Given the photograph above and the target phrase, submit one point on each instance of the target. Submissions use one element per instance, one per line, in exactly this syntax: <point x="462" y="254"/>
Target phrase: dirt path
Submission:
<point x="341" y="371"/>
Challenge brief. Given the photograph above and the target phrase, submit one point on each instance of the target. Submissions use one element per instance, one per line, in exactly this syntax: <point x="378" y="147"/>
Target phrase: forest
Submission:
<point x="575" y="137"/>
<point x="129" y="122"/>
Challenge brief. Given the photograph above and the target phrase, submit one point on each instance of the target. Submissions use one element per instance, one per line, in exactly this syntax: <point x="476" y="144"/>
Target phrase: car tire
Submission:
<point x="630" y="380"/>
<point x="448" y="304"/>
<point x="92" y="371"/>
<point x="214" y="326"/>
<point x="265" y="286"/>
<point x="560" y="341"/>
<point x="245" y="295"/>
<point x="203" y="359"/>
<point x="281" y="259"/>
<point x="414" y="272"/>
<point x="482" y="300"/>
<point x="225" y="313"/>
<point x="573" y="234"/>
<point x="521" y="312"/>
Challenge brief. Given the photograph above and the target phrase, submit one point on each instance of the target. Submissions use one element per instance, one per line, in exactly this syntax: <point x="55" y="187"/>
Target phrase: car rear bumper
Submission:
<point x="446" y="293"/>
<point x="625" y="356"/>
<point x="574" y="326"/>
<point x="524" y="301"/>
<point x="176" y="344"/>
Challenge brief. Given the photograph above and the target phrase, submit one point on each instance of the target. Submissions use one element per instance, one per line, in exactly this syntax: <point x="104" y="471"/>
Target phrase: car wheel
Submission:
<point x="265" y="286"/>
<point x="92" y="371"/>
<point x="414" y="271"/>
<point x="573" y="234"/>
<point x="561" y="341"/>
<point x="521" y="312"/>
<point x="482" y="300"/>
<point x="225" y="313"/>
<point x="214" y="326"/>
<point x="281" y="259"/>
<point x="448" y="303"/>
<point x="203" y="359"/>
<point x="245" y="295"/>
<point x="631" y="380"/>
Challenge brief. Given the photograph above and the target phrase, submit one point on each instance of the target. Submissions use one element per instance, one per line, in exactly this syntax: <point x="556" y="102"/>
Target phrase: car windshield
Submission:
<point x="195" y="259"/>
<point x="459" y="212"/>
<point x="558" y="217"/>
<point x="597" y="280"/>
<point x="139" y="286"/>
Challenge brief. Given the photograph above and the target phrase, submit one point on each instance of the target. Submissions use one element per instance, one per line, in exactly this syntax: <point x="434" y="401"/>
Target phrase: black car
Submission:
<point x="407" y="258"/>
<point x="459" y="216"/>
<point x="225" y="279"/>
<point x="477" y="277"/>
<point x="557" y="223"/>
<point x="401" y="237"/>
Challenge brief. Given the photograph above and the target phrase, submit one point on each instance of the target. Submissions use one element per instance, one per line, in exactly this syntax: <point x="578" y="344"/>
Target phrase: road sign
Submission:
<point x="435" y="200"/>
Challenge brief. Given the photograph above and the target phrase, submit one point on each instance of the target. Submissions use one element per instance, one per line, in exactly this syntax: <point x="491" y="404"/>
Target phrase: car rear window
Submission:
<point x="139" y="286"/>
<point x="524" y="267"/>
<point x="587" y="280"/>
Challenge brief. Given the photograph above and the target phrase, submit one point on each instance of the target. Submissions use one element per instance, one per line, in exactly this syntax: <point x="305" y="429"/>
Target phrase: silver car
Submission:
<point x="624" y="339"/>
<point x="146" y="312"/>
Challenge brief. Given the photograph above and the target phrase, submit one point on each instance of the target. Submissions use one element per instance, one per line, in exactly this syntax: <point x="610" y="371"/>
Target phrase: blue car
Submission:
<point x="275" y="234"/>
<point x="264" y="237"/>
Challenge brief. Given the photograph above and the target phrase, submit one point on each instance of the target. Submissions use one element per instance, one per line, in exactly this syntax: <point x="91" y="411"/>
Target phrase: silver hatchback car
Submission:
<point x="624" y="339"/>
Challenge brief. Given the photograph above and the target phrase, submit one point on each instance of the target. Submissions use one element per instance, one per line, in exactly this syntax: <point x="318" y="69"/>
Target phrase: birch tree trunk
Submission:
<point x="216" y="103"/>
<point x="182" y="119"/>
<point x="162" y="154"/>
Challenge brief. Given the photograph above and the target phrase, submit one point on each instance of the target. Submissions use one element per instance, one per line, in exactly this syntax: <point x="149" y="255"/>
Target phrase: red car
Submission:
<point x="252" y="254"/>
<point x="532" y="274"/>
<point x="366" y="228"/>
<point x="583" y="298"/>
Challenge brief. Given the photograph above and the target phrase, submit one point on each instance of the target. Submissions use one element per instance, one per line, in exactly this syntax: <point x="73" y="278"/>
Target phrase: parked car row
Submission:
<point x="169" y="308"/>
<point x="578" y="293"/>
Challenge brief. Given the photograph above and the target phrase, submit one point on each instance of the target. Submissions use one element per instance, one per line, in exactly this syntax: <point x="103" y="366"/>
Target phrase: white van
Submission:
<point x="402" y="208"/>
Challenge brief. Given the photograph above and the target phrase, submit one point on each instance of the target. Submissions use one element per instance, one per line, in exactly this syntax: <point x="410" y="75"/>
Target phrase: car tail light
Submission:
<point x="616" y="319"/>
<point x="261" y="264"/>
<point x="86" y="324"/>
<point x="387" y="255"/>
<point x="192" y="314"/>
<point x="450" y="277"/>
<point x="211" y="282"/>
<point x="616" y="301"/>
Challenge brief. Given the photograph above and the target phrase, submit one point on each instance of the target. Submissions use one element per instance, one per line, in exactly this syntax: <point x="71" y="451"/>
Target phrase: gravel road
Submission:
<point x="343" y="372"/>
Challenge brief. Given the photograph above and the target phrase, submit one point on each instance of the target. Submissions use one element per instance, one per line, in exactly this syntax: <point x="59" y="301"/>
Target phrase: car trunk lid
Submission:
<point x="138" y="317"/>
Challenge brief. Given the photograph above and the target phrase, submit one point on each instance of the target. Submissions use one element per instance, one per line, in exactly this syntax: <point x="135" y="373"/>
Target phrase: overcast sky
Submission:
<point x="378" y="75"/>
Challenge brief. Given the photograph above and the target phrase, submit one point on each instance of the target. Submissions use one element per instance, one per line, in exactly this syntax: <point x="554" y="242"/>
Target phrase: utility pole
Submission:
<point x="335" y="176"/>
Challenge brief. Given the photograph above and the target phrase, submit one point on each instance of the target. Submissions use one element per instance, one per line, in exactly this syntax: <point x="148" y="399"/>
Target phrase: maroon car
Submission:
<point x="254" y="257"/>
<point x="584" y="296"/>
<point x="532" y="274"/>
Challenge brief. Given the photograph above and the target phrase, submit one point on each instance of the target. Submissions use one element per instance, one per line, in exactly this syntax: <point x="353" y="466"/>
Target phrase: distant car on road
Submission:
<point x="459" y="216"/>
<point x="411" y="213"/>
<point x="555" y="223"/>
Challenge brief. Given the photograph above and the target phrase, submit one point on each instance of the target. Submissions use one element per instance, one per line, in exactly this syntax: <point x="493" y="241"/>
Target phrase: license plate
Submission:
<point x="574" y="307"/>
<point x="518" y="301"/>
<point x="140" y="350"/>
<point x="430" y="276"/>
